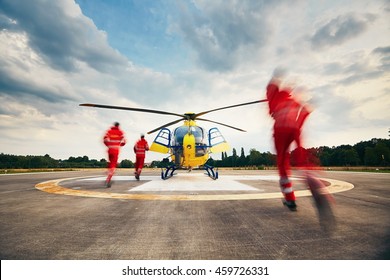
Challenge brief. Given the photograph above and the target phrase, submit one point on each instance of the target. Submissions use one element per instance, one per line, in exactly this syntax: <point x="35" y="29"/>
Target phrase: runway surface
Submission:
<point x="71" y="215"/>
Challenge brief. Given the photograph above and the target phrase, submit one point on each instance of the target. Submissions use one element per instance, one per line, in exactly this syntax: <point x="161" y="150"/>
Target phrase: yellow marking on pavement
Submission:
<point x="54" y="187"/>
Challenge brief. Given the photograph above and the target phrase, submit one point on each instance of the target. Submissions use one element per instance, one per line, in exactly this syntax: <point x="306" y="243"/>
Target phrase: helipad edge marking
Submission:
<point x="53" y="186"/>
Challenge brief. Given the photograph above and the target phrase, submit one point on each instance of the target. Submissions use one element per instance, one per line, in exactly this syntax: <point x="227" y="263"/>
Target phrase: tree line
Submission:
<point x="375" y="152"/>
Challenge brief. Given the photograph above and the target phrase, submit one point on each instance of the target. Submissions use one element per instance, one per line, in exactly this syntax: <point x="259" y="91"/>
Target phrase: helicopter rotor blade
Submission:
<point x="231" y="106"/>
<point x="132" y="109"/>
<point x="165" y="125"/>
<point x="236" y="128"/>
<point x="183" y="116"/>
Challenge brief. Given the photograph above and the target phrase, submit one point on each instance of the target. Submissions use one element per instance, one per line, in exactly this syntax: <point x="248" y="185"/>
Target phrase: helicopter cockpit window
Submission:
<point x="198" y="133"/>
<point x="181" y="131"/>
<point x="179" y="134"/>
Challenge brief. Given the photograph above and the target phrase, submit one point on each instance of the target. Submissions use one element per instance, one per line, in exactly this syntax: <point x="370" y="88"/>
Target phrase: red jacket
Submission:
<point x="286" y="111"/>
<point x="141" y="147"/>
<point x="114" y="138"/>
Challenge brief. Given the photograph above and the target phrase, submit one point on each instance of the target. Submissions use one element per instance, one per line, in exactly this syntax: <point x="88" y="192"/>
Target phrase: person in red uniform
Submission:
<point x="114" y="139"/>
<point x="140" y="148"/>
<point x="289" y="116"/>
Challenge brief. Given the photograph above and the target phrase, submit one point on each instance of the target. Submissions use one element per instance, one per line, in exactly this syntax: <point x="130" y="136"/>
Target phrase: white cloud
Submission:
<point x="340" y="29"/>
<point x="223" y="34"/>
<point x="61" y="35"/>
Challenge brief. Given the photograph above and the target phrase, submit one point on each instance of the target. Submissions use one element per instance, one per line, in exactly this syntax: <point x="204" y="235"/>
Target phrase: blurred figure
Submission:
<point x="289" y="116"/>
<point x="114" y="139"/>
<point x="140" y="148"/>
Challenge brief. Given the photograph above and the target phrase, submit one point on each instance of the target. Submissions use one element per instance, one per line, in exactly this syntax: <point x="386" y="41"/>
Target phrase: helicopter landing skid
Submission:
<point x="168" y="172"/>
<point x="210" y="172"/>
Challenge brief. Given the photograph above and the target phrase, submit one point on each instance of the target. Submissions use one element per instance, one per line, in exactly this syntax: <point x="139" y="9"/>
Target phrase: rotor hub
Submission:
<point x="190" y="116"/>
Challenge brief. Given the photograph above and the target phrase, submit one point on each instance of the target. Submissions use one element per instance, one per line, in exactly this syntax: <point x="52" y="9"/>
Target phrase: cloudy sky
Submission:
<point x="188" y="56"/>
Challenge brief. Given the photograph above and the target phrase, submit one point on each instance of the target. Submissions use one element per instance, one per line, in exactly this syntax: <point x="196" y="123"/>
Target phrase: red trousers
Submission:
<point x="113" y="155"/>
<point x="283" y="138"/>
<point x="139" y="163"/>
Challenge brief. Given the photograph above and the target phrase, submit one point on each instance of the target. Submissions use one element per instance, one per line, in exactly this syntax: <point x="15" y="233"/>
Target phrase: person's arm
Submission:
<point x="106" y="139"/>
<point x="123" y="140"/>
<point x="303" y="114"/>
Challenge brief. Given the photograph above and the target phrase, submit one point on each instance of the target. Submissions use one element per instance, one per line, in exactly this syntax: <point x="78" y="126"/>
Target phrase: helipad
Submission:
<point x="183" y="186"/>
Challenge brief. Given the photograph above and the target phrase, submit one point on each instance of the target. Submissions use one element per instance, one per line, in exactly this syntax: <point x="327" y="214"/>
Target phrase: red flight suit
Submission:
<point x="113" y="139"/>
<point x="289" y="116"/>
<point x="140" y="148"/>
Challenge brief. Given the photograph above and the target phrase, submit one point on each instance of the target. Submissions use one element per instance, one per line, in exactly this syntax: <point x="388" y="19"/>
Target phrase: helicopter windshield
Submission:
<point x="183" y="130"/>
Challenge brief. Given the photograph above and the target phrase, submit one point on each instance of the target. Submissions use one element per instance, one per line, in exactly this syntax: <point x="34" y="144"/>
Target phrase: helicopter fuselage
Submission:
<point x="188" y="144"/>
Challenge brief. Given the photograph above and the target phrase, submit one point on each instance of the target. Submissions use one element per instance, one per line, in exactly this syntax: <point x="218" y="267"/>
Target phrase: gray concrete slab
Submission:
<point x="37" y="224"/>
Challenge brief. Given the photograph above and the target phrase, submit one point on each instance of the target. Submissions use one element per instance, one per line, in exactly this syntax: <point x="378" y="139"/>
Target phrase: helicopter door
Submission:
<point x="161" y="143"/>
<point x="217" y="142"/>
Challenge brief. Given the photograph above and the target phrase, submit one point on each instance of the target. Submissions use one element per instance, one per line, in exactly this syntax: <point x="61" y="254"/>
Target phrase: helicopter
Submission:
<point x="189" y="145"/>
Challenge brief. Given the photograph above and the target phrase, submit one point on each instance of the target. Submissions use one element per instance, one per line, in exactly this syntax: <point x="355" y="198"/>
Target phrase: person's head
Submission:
<point x="116" y="124"/>
<point x="142" y="135"/>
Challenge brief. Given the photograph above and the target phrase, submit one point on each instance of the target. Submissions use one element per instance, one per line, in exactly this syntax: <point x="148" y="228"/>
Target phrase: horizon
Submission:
<point x="238" y="150"/>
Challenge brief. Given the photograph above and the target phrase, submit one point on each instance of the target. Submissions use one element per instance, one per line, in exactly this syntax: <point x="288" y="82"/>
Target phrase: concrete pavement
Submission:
<point x="37" y="224"/>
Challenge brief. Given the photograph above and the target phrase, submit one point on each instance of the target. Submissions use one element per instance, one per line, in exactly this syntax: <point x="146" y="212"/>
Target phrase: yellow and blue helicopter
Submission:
<point x="189" y="145"/>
